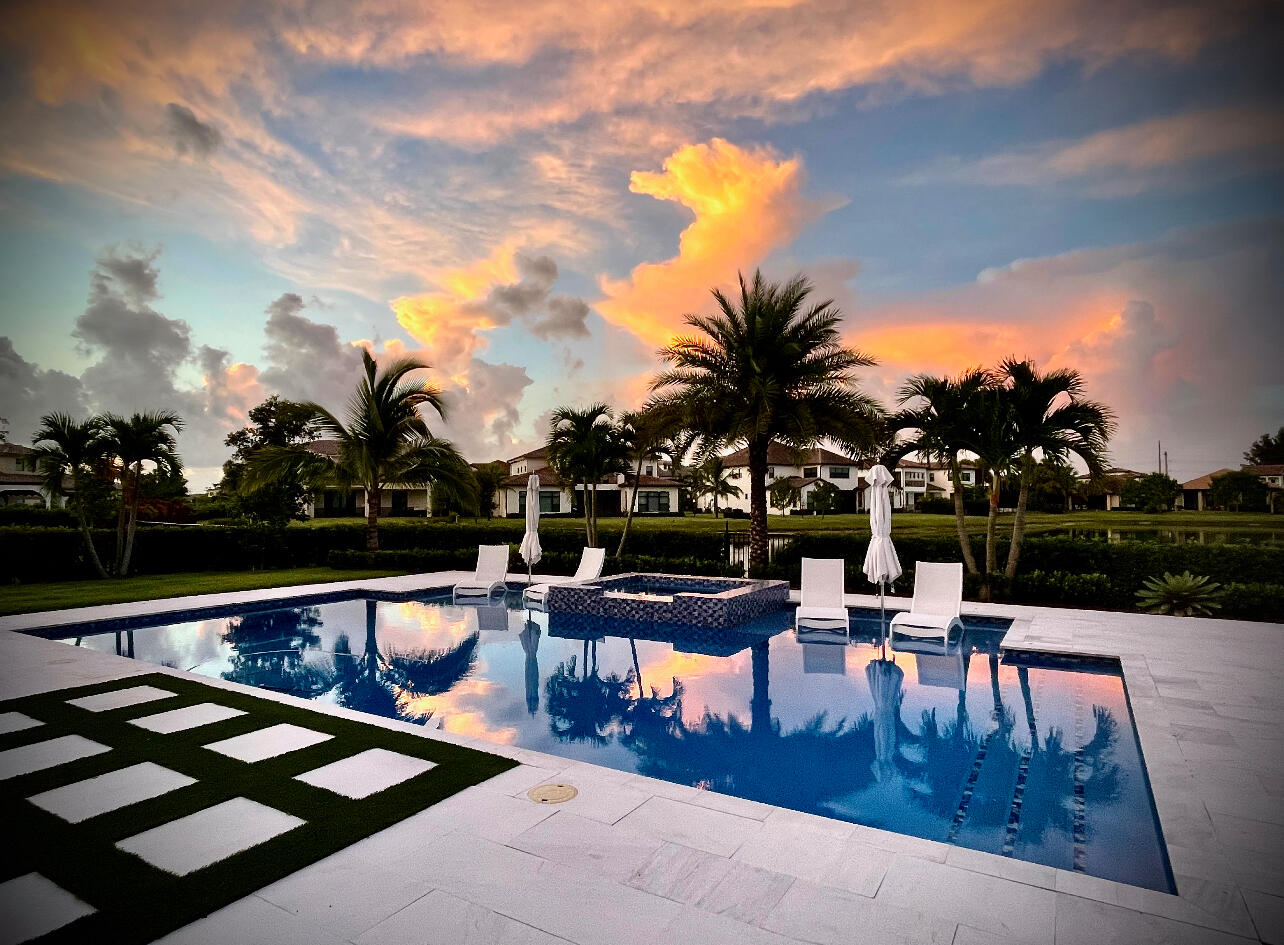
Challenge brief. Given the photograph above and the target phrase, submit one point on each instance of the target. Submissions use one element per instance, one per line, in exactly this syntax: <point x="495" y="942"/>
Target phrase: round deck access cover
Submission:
<point x="551" y="793"/>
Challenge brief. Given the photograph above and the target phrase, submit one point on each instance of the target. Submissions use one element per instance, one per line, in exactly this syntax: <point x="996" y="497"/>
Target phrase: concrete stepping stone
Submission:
<point x="47" y="754"/>
<point x="366" y="773"/>
<point x="110" y="791"/>
<point x="178" y="720"/>
<point x="185" y="845"/>
<point x="16" y="722"/>
<point x="31" y="906"/>
<point x="268" y="742"/>
<point x="120" y="698"/>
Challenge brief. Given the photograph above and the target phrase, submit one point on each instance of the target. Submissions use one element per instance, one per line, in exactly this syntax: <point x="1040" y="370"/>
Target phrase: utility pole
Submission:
<point x="1165" y="462"/>
<point x="1159" y="455"/>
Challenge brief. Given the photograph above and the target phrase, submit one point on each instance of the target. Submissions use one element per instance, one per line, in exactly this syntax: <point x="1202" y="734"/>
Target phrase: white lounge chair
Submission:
<point x="938" y="597"/>
<point x="590" y="569"/>
<point x="822" y="594"/>
<point x="492" y="568"/>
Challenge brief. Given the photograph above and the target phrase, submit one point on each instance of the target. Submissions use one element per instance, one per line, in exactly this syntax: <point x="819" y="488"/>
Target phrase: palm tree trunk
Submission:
<point x="758" y="505"/>
<point x="122" y="516"/>
<point x="374" y="497"/>
<point x="715" y="504"/>
<point x="133" y="518"/>
<point x="991" y="557"/>
<point x="633" y="501"/>
<point x="85" y="531"/>
<point x="960" y="518"/>
<point x="1018" y="523"/>
<point x="588" y="531"/>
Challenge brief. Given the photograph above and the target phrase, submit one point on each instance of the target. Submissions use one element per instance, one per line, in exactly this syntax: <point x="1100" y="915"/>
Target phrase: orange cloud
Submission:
<point x="746" y="201"/>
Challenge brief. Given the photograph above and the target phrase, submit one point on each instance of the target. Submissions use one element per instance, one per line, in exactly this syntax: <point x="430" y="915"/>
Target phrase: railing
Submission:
<point x="738" y="546"/>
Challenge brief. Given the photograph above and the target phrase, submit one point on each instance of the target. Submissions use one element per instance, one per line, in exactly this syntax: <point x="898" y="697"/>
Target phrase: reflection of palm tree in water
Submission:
<point x="268" y="647"/>
<point x="585" y="707"/>
<point x="384" y="683"/>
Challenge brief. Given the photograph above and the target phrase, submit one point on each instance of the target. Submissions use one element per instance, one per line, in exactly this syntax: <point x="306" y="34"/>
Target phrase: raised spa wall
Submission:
<point x="704" y="602"/>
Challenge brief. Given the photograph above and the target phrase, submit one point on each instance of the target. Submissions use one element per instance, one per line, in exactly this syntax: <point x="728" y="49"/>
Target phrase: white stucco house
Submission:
<point x="20" y="480"/>
<point x="657" y="494"/>
<point x="396" y="501"/>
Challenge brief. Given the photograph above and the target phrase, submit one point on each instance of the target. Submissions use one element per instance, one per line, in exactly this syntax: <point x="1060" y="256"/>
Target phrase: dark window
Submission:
<point x="653" y="501"/>
<point x="400" y="500"/>
<point x="840" y="472"/>
<point x="549" y="501"/>
<point x="809" y="472"/>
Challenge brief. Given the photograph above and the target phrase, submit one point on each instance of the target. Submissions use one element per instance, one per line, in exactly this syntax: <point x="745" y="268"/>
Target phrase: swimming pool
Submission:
<point x="1034" y="759"/>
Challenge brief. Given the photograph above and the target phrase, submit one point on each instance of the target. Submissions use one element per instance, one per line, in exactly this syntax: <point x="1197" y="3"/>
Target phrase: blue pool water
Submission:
<point x="1037" y="760"/>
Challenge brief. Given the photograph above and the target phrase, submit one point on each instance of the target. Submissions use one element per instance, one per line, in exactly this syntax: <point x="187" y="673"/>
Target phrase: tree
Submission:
<point x="784" y="493"/>
<point x="939" y="410"/>
<point x="584" y="447"/>
<point x="142" y="438"/>
<point x="383" y="441"/>
<point x="992" y="437"/>
<point x="1050" y="416"/>
<point x="767" y="366"/>
<point x="824" y="497"/>
<point x="490" y="477"/>
<point x="1153" y="493"/>
<point x="1054" y="486"/>
<point x="75" y="449"/>
<point x="644" y="435"/>
<point x="1266" y="450"/>
<point x="275" y="422"/>
<point x="1238" y="490"/>
<point x="712" y="478"/>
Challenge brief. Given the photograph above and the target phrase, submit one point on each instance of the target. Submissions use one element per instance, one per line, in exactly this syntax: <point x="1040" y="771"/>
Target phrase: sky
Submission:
<point x="204" y="204"/>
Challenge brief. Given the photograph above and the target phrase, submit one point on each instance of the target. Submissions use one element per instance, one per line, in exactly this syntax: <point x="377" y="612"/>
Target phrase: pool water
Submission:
<point x="1034" y="760"/>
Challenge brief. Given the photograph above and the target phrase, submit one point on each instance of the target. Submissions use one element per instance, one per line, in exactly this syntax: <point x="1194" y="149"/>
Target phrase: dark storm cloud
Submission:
<point x="189" y="134"/>
<point x="564" y="317"/>
<point x="306" y="360"/>
<point x="27" y="393"/>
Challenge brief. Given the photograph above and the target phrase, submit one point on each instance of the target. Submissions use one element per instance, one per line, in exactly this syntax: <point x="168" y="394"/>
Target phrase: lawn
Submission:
<point x="24" y="598"/>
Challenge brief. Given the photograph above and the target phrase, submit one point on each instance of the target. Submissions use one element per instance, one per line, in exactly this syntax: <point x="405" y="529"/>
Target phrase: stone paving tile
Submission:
<point x="180" y="720"/>
<point x="442" y="919"/>
<point x="110" y="791"/>
<point x="697" y="927"/>
<point x="496" y="817"/>
<point x="189" y="843"/>
<point x="746" y="893"/>
<point x="366" y="773"/>
<point x="588" y="845"/>
<point x="1268" y="916"/>
<point x="709" y="830"/>
<point x="251" y="921"/>
<point x="16" y="722"/>
<point x="268" y="742"/>
<point x="831" y="916"/>
<point x="599" y="800"/>
<point x="1006" y="867"/>
<point x="790" y="847"/>
<point x="47" y="754"/>
<point x="32" y="905"/>
<point x="120" y="698"/>
<point x="1086" y="922"/>
<point x="680" y="873"/>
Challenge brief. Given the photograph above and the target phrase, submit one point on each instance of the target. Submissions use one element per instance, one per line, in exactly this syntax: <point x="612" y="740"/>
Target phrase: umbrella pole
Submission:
<point x="882" y="620"/>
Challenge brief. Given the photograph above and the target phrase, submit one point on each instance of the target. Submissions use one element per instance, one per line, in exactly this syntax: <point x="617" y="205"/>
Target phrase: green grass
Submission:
<point x="59" y="595"/>
<point x="137" y="902"/>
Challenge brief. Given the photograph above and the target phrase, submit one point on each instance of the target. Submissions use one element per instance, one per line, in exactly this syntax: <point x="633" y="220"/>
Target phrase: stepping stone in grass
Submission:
<point x="366" y="773"/>
<point x="268" y="742"/>
<point x="110" y="791"/>
<point x="16" y="722"/>
<point x="40" y="755"/>
<point x="31" y="905"/>
<point x="185" y="845"/>
<point x="178" y="720"/>
<point x="120" y="698"/>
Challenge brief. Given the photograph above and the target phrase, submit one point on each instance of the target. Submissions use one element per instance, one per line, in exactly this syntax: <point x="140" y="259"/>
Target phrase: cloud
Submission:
<point x="190" y="135"/>
<point x="27" y="393"/>
<point x="746" y="203"/>
<point x="564" y="318"/>
<point x="1168" y="333"/>
<point x="1132" y="158"/>
<point x="306" y="360"/>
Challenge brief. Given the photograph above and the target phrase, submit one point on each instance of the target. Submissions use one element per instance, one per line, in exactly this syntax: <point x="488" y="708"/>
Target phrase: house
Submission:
<point x="396" y="501"/>
<point x="20" y="480"/>
<point x="1198" y="493"/>
<point x="657" y="493"/>
<point x="1107" y="491"/>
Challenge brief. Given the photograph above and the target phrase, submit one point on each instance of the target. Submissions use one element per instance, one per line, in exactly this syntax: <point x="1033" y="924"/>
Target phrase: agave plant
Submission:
<point x="1182" y="595"/>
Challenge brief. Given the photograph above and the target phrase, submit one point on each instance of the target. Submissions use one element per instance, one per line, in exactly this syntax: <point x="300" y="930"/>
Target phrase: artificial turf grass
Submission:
<point x="137" y="902"/>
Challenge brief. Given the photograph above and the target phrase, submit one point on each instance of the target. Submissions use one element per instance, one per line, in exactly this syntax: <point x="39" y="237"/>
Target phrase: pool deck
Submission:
<point x="633" y="859"/>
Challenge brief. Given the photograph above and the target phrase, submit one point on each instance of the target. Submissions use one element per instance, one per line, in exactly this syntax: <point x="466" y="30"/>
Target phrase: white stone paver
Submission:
<point x="366" y="773"/>
<point x="32" y="905"/>
<point x="268" y="742"/>
<point x="110" y="791"/>
<point x="120" y="698"/>
<point x="588" y="845"/>
<point x="709" y="830"/>
<point x="17" y="722"/>
<point x="192" y="716"/>
<point x="189" y="843"/>
<point x="442" y="919"/>
<point x="41" y="755"/>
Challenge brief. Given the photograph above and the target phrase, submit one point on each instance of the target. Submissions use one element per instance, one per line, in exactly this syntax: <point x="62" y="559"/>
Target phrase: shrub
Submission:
<point x="1254" y="601"/>
<point x="37" y="515"/>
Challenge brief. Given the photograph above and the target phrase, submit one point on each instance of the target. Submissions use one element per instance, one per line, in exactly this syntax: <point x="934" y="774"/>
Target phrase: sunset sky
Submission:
<point x="202" y="204"/>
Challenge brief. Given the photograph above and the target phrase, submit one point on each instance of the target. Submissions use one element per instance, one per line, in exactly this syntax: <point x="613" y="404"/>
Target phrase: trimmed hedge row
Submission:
<point x="555" y="562"/>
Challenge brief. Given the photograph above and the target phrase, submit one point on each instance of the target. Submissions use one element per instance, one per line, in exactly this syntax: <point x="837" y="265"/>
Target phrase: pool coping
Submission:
<point x="1203" y="842"/>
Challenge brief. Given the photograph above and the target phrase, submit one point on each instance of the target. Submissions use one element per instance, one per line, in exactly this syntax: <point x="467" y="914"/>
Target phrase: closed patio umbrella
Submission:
<point x="530" y="550"/>
<point x="881" y="564"/>
<point x="885" y="678"/>
<point x="530" y="646"/>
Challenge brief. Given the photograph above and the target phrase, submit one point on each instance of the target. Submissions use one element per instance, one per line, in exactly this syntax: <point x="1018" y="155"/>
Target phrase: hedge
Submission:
<point x="557" y="562"/>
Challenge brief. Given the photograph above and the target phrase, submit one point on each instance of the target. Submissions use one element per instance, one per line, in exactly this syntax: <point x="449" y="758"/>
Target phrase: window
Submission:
<point x="915" y="476"/>
<point x="650" y="470"/>
<point x="653" y="501"/>
<point x="840" y="472"/>
<point x="809" y="472"/>
<point x="771" y="472"/>
<point x="550" y="500"/>
<point x="735" y="473"/>
<point x="26" y="464"/>
<point x="968" y="476"/>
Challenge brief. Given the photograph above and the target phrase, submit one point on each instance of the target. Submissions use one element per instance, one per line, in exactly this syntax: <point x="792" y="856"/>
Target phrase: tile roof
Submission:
<point x="1205" y="481"/>
<point x="14" y="449"/>
<point x="778" y="454"/>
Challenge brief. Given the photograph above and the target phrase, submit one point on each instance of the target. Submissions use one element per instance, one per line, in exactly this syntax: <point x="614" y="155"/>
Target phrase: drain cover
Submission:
<point x="551" y="793"/>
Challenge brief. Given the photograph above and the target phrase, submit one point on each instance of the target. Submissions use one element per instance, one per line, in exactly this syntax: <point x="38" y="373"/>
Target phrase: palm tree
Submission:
<point x="143" y="438"/>
<point x="992" y="436"/>
<point x="712" y="478"/>
<point x="644" y="435"/>
<point x="939" y="415"/>
<point x="384" y="441"/>
<point x="1051" y="416"/>
<point x="768" y="365"/>
<point x="67" y="448"/>
<point x="585" y="446"/>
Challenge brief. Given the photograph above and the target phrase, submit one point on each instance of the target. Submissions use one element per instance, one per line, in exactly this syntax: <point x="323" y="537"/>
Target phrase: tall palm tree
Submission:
<point x="142" y="438"/>
<point x="712" y="478"/>
<point x="67" y="448"/>
<point x="767" y="365"/>
<point x="644" y="435"/>
<point x="992" y="436"/>
<point x="585" y="446"/>
<point x="384" y="441"/>
<point x="936" y="408"/>
<point x="1050" y="416"/>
